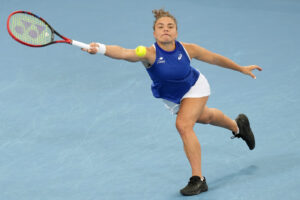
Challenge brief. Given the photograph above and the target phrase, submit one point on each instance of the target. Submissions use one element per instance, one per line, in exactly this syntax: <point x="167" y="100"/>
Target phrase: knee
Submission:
<point x="183" y="127"/>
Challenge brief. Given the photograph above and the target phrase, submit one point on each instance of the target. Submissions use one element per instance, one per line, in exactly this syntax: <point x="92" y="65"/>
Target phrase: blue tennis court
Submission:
<point x="76" y="126"/>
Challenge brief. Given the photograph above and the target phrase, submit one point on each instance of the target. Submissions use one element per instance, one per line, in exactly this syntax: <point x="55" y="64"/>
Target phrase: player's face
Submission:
<point x="165" y="30"/>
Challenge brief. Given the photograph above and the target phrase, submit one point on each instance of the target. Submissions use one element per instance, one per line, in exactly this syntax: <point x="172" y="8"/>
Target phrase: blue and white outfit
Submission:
<point x="174" y="78"/>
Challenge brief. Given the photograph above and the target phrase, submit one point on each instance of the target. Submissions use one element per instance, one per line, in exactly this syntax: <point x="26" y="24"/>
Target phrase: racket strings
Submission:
<point x="30" y="29"/>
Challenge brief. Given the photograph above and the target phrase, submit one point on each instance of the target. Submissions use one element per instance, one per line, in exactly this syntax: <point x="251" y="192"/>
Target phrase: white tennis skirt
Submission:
<point x="200" y="89"/>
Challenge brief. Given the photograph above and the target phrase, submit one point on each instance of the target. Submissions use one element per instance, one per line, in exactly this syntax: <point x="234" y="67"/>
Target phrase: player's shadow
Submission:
<point x="220" y="182"/>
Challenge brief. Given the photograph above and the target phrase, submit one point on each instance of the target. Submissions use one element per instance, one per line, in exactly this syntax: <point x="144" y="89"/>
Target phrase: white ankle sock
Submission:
<point x="238" y="130"/>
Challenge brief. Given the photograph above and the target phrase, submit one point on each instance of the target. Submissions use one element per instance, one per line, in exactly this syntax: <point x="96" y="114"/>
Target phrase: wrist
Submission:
<point x="241" y="69"/>
<point x="101" y="48"/>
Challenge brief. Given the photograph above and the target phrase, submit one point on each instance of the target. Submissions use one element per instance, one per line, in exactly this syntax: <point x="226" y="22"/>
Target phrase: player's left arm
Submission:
<point x="204" y="55"/>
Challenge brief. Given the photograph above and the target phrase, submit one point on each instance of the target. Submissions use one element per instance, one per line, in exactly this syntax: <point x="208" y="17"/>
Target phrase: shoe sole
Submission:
<point x="196" y="193"/>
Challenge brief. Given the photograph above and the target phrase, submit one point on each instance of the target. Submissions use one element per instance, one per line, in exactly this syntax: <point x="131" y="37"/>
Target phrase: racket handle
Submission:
<point x="80" y="44"/>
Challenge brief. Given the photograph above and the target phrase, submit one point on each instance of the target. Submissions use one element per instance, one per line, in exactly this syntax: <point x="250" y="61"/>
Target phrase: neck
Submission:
<point x="169" y="46"/>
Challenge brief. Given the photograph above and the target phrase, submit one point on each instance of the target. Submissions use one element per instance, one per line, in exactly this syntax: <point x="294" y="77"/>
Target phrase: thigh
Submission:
<point x="191" y="109"/>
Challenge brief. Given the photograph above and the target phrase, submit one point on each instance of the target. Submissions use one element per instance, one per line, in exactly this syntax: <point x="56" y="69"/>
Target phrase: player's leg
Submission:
<point x="189" y="112"/>
<point x="216" y="117"/>
<point x="240" y="127"/>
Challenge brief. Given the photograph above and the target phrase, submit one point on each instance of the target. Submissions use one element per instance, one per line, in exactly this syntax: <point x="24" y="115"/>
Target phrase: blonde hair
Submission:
<point x="162" y="13"/>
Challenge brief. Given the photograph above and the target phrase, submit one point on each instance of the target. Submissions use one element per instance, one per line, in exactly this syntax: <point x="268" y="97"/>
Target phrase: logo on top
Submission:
<point x="161" y="60"/>
<point x="180" y="56"/>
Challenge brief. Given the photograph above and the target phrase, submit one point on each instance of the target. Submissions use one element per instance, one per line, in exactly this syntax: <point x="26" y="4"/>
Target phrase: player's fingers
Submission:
<point x="252" y="75"/>
<point x="93" y="44"/>
<point x="92" y="50"/>
<point x="256" y="67"/>
<point x="259" y="68"/>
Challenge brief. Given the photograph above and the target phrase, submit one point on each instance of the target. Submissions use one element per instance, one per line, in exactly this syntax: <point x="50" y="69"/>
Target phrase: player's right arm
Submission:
<point x="120" y="53"/>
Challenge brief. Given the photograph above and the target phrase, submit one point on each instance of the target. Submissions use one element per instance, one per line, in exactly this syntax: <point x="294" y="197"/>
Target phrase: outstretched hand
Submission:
<point x="94" y="47"/>
<point x="248" y="70"/>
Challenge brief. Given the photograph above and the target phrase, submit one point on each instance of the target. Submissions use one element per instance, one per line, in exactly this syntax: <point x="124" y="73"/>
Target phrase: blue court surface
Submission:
<point x="79" y="127"/>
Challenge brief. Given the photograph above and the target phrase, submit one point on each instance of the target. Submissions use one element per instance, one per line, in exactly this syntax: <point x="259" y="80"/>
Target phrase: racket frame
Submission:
<point x="65" y="39"/>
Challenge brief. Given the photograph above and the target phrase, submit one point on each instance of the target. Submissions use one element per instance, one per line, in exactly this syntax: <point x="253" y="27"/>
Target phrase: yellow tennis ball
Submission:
<point x="140" y="51"/>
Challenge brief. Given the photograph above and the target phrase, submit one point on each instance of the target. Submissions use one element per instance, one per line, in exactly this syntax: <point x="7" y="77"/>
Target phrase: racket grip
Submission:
<point x="80" y="44"/>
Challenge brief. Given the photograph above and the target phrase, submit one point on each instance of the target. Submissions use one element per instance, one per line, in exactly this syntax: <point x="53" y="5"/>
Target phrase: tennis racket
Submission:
<point x="32" y="30"/>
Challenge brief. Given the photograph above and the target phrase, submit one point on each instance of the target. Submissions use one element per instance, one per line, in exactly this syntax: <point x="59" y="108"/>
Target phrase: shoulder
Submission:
<point x="150" y="56"/>
<point x="188" y="45"/>
<point x="192" y="49"/>
<point x="151" y="49"/>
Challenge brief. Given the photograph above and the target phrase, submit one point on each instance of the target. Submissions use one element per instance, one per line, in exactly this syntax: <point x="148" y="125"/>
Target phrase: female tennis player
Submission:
<point x="184" y="89"/>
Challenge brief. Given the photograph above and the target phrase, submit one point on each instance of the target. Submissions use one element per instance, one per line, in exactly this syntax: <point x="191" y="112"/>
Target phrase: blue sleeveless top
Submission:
<point x="172" y="74"/>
